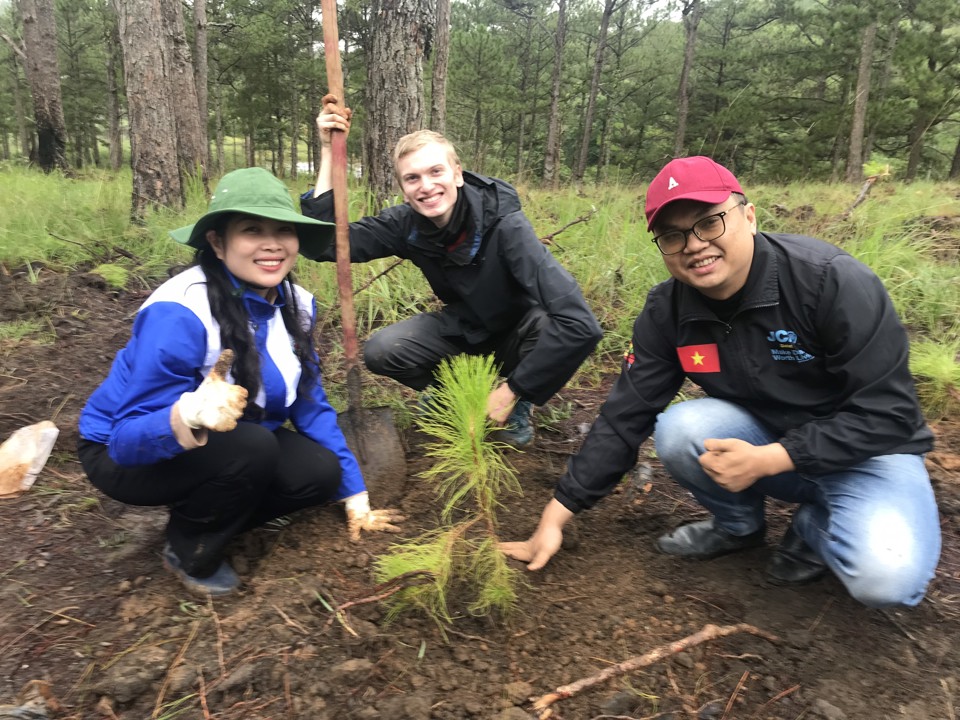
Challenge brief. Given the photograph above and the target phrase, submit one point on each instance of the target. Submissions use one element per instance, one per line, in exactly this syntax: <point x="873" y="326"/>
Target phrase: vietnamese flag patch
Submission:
<point x="699" y="358"/>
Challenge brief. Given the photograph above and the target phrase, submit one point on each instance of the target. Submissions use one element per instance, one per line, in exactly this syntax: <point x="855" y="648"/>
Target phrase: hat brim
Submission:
<point x="710" y="197"/>
<point x="315" y="236"/>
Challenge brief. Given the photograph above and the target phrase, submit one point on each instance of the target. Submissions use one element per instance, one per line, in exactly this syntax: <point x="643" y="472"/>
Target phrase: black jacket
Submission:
<point x="815" y="351"/>
<point x="489" y="281"/>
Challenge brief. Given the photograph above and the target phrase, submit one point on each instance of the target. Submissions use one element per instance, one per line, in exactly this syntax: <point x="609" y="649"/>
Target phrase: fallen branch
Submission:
<point x="709" y="632"/>
<point x="383" y="591"/>
<point x="864" y="191"/>
<point x="548" y="239"/>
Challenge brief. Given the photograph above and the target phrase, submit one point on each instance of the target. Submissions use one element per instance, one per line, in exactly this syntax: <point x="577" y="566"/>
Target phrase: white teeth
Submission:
<point x="703" y="263"/>
<point x="269" y="263"/>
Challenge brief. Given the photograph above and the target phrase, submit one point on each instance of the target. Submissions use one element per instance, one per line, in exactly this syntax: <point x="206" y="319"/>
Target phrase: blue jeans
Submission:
<point x="875" y="524"/>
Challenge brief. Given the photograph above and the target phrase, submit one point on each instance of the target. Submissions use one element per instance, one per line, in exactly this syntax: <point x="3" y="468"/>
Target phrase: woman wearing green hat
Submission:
<point x="172" y="426"/>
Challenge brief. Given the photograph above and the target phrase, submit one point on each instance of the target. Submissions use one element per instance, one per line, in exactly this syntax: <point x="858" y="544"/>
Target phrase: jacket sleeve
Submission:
<point x="649" y="379"/>
<point x="162" y="360"/>
<point x="371" y="237"/>
<point x="866" y="349"/>
<point x="571" y="332"/>
<point x="316" y="419"/>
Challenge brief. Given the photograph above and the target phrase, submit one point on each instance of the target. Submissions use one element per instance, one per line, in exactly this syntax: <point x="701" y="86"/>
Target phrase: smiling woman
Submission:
<point x="192" y="414"/>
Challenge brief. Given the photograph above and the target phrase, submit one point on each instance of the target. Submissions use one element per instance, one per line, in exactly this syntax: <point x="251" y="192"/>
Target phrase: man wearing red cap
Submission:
<point x="809" y="400"/>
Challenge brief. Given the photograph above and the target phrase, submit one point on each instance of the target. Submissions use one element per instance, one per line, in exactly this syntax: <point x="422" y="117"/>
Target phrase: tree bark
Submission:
<point x="43" y="75"/>
<point x="201" y="73"/>
<point x="22" y="134"/>
<point x="191" y="143"/>
<point x="955" y="165"/>
<point x="855" y="151"/>
<point x="112" y="41"/>
<point x="608" y="8"/>
<point x="551" y="156"/>
<point x="394" y="91"/>
<point x="153" y="129"/>
<point x="441" y="57"/>
<point x="692" y="14"/>
<point x="294" y="132"/>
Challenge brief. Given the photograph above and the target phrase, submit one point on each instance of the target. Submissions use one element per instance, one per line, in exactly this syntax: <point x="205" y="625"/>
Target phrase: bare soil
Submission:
<point x="86" y="607"/>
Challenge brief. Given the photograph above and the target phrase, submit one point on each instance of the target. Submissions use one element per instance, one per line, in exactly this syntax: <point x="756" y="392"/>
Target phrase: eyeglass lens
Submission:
<point x="707" y="229"/>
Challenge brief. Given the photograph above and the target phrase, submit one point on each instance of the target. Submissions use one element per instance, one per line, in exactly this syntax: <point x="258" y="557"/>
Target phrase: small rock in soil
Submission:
<point x="621" y="703"/>
<point x="414" y="707"/>
<point x="351" y="671"/>
<point x="517" y="692"/>
<point x="713" y="709"/>
<point x="513" y="713"/>
<point x="822" y="709"/>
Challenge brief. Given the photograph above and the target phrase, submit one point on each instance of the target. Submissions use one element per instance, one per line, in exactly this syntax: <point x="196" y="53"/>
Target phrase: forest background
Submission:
<point x="538" y="92"/>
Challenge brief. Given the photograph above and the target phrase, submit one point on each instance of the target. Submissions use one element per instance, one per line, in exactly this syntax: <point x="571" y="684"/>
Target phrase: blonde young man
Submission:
<point x="810" y="400"/>
<point x="502" y="291"/>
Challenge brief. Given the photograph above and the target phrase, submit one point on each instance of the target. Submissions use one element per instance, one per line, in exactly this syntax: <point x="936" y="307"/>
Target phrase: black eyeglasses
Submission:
<point x="707" y="229"/>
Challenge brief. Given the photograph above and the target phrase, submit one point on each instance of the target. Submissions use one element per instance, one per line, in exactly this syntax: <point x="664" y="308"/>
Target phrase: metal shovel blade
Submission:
<point x="372" y="436"/>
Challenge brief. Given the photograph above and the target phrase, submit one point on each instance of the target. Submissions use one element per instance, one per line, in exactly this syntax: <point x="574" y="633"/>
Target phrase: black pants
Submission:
<point x="237" y="481"/>
<point x="411" y="350"/>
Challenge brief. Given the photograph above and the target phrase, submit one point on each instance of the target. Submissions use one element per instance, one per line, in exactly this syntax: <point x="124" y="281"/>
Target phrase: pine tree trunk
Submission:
<point x="22" y="135"/>
<point x="692" y="14"/>
<point x="200" y="73"/>
<point x="191" y="145"/>
<point x="114" y="140"/>
<point x="608" y="7"/>
<point x="394" y="90"/>
<point x="153" y="130"/>
<point x="551" y="155"/>
<point x="441" y="57"/>
<point x="43" y="75"/>
<point x="855" y="151"/>
<point x="294" y="133"/>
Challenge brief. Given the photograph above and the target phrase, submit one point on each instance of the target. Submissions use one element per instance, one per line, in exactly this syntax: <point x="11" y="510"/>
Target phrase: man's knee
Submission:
<point x="891" y="566"/>
<point x="376" y="353"/>
<point x="681" y="430"/>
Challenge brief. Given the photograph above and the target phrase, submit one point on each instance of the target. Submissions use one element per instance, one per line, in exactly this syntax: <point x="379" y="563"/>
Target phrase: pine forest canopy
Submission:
<point x="775" y="89"/>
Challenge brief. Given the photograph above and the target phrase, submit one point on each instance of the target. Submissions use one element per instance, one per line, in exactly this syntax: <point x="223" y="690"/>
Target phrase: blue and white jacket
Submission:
<point x="174" y="345"/>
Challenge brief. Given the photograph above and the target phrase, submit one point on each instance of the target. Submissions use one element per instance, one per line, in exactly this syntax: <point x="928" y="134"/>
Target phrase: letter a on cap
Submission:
<point x="672" y="184"/>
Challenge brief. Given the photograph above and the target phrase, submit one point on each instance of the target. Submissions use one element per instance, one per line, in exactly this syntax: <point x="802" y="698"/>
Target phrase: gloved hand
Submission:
<point x="361" y="517"/>
<point x="216" y="404"/>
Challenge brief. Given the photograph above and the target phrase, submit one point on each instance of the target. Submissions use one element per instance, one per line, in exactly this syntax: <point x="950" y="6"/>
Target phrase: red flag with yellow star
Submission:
<point x="699" y="358"/>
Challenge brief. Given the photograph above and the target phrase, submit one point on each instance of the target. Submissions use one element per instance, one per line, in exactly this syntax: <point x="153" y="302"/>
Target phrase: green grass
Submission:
<point x="898" y="230"/>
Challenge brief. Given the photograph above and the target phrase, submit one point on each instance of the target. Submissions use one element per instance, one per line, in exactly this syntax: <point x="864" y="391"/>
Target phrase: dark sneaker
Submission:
<point x="223" y="582"/>
<point x="702" y="541"/>
<point x="518" y="429"/>
<point x="794" y="562"/>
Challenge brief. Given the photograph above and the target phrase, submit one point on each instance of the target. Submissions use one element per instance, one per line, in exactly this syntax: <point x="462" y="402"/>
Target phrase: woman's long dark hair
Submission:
<point x="226" y="306"/>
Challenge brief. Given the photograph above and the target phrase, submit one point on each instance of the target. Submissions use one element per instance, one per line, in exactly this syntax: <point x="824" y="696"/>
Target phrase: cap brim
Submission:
<point x="315" y="235"/>
<point x="710" y="197"/>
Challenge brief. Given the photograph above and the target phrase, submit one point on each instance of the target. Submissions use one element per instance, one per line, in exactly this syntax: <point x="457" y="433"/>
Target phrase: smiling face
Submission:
<point x="258" y="251"/>
<point x="430" y="182"/>
<point x="717" y="268"/>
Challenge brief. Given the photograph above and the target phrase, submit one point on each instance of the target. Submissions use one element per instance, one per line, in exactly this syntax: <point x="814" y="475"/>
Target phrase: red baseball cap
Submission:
<point x="692" y="178"/>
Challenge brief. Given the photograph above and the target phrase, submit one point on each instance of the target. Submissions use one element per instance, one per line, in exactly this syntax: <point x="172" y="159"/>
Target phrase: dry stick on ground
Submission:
<point x="548" y="239"/>
<point x="383" y="591"/>
<point x="736" y="692"/>
<point x="709" y="632"/>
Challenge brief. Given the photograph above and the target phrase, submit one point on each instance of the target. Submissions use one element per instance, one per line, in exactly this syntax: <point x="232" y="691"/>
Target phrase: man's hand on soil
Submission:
<point x="360" y="517"/>
<point x="500" y="404"/>
<point x="545" y="541"/>
<point x="216" y="404"/>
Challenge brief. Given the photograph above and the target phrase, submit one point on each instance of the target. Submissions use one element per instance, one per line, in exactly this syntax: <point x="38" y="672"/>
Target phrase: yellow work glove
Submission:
<point x="216" y="404"/>
<point x="361" y="517"/>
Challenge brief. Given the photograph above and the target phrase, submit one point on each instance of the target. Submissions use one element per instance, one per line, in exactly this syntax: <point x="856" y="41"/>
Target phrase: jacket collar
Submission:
<point x="488" y="200"/>
<point x="761" y="289"/>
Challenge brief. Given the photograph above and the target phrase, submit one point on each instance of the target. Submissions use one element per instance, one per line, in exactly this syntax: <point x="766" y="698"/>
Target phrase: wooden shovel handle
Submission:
<point x="331" y="51"/>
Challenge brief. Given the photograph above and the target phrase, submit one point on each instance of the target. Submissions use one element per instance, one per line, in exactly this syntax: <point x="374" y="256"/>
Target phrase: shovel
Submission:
<point x="370" y="432"/>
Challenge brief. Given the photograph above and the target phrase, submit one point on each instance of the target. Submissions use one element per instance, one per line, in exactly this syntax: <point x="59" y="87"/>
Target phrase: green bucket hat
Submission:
<point x="255" y="191"/>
